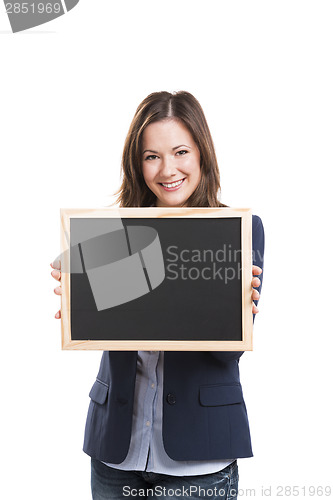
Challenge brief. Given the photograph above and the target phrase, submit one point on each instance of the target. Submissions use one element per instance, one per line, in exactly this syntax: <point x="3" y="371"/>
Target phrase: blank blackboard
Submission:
<point x="193" y="294"/>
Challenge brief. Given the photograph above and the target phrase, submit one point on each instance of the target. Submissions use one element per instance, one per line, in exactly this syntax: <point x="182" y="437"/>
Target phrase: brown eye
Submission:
<point x="182" y="152"/>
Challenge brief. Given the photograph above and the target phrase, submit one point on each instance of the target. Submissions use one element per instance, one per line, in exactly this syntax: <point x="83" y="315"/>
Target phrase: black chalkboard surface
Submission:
<point x="178" y="280"/>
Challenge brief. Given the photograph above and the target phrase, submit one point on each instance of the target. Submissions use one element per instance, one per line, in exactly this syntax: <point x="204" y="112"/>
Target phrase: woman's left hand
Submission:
<point x="255" y="282"/>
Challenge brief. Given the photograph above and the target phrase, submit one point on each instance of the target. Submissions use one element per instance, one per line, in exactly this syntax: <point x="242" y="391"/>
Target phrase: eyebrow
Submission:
<point x="173" y="149"/>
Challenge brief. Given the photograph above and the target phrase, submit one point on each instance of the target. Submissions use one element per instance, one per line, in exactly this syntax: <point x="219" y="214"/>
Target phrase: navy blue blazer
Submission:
<point x="204" y="414"/>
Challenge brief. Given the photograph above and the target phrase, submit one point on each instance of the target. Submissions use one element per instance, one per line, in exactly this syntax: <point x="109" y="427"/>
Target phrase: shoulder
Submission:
<point x="258" y="234"/>
<point x="257" y="227"/>
<point x="256" y="221"/>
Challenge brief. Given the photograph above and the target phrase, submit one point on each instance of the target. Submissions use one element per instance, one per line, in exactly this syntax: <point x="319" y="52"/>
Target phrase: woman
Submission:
<point x="168" y="424"/>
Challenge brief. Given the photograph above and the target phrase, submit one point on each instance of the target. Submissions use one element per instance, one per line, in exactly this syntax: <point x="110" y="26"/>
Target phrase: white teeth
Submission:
<point x="174" y="184"/>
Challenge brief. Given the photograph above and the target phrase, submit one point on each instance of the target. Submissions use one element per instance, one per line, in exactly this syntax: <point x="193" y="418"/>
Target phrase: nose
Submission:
<point x="167" y="169"/>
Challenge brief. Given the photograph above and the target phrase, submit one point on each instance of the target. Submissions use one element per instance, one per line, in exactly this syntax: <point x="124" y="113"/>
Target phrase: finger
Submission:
<point x="56" y="264"/>
<point x="58" y="315"/>
<point x="255" y="282"/>
<point x="256" y="270"/>
<point x="255" y="294"/>
<point x="58" y="290"/>
<point x="255" y="309"/>
<point x="56" y="274"/>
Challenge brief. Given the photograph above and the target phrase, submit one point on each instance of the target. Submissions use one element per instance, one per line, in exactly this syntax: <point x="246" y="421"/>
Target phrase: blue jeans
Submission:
<point x="109" y="483"/>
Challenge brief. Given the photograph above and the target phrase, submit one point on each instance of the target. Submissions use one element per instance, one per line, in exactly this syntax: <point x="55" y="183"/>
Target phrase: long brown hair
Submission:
<point x="156" y="107"/>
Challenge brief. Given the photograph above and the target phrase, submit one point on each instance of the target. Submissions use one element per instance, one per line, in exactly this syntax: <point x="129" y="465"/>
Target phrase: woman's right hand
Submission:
<point x="56" y="273"/>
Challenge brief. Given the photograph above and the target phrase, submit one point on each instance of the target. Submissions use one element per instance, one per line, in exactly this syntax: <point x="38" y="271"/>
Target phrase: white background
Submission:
<point x="262" y="71"/>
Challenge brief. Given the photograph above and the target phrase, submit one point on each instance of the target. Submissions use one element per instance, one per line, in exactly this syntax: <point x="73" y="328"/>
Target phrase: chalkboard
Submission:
<point x="156" y="278"/>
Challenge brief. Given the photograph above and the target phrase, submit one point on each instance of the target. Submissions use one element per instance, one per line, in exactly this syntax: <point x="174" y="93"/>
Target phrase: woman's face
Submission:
<point x="170" y="156"/>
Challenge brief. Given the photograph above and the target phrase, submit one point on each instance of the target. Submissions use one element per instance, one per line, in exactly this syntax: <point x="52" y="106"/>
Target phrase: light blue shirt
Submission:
<point x="146" y="450"/>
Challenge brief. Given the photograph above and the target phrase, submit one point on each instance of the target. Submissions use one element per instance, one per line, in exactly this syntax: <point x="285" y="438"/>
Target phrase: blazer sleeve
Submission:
<point x="258" y="248"/>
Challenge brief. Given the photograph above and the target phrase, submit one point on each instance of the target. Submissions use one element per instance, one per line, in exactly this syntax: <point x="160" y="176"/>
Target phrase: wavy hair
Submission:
<point x="158" y="106"/>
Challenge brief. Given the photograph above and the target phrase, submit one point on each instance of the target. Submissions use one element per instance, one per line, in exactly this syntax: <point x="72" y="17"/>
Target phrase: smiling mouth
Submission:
<point x="172" y="185"/>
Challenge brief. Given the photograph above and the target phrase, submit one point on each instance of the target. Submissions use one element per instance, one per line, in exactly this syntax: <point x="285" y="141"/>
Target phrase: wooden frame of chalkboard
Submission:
<point x="200" y="301"/>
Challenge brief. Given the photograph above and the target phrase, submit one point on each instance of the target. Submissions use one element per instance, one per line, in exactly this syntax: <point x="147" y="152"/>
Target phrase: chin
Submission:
<point x="175" y="203"/>
<point x="171" y="199"/>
